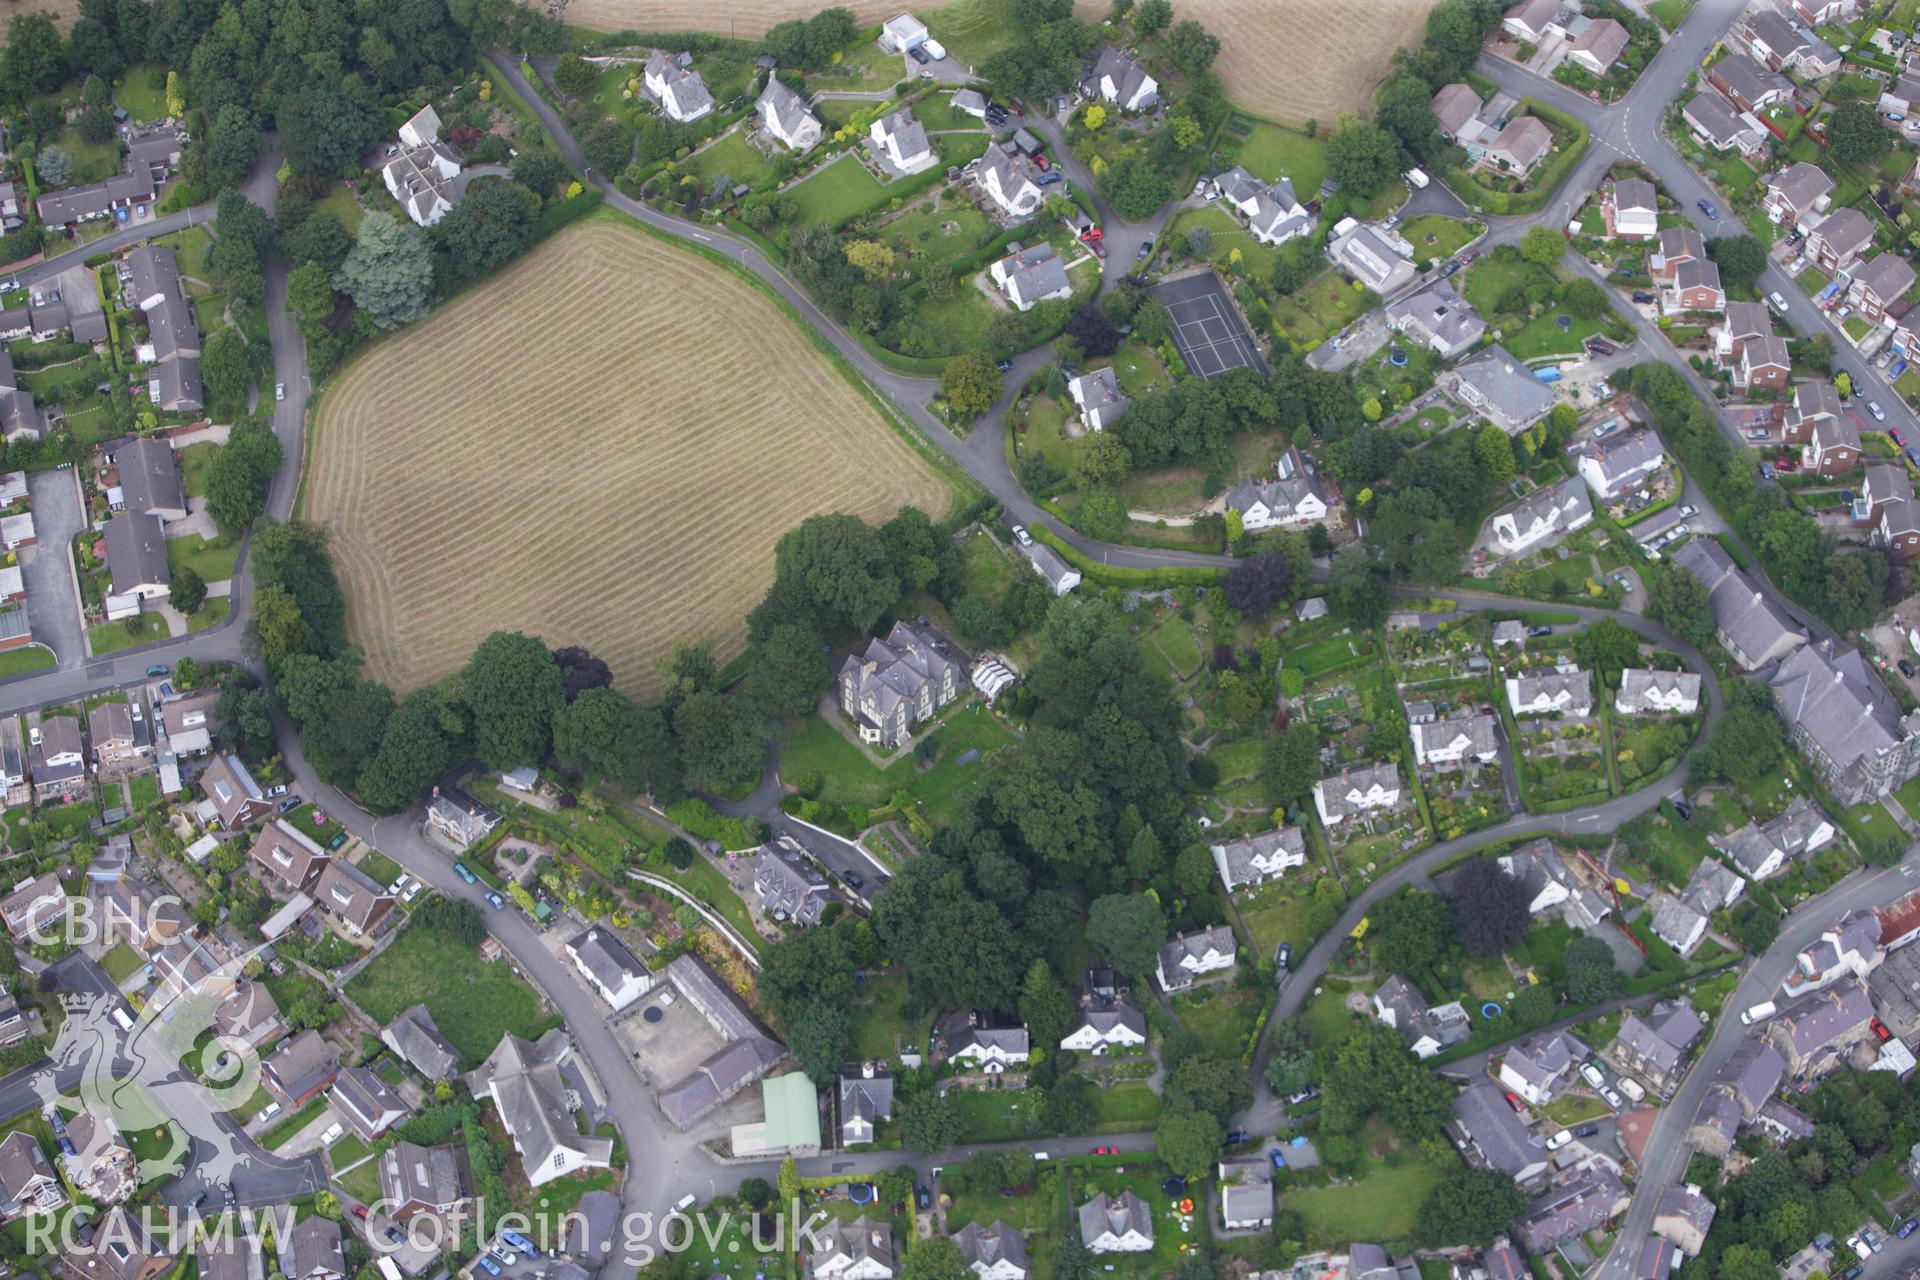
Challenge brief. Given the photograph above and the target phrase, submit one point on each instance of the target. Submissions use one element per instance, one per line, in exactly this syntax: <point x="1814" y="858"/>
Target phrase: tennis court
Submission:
<point x="1206" y="329"/>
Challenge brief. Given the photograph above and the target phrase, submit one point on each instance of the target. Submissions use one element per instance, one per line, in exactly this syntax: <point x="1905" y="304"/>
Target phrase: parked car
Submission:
<point x="1587" y="1131"/>
<point x="919" y="55"/>
<point x="156" y="670"/>
<point x="395" y="1235"/>
<point x="1559" y="1139"/>
<point x="394" y="889"/>
<point x="360" y="1212"/>
<point x="1146" y="251"/>
<point x="1878" y="1027"/>
<point x="1593" y="1075"/>
<point x="1689" y="510"/>
<point x="1777" y="302"/>
<point x="290" y="804"/>
<point x="413" y="891"/>
<point x="495" y="901"/>
<point x="1879" y="414"/>
<point x="199" y="1198"/>
<point x="1099" y="250"/>
<point x="229" y="1195"/>
<point x="460" y="869"/>
<point x="1906" y="1228"/>
<point x="279" y="391"/>
<point x="1278" y="1156"/>
<point x="1906" y="668"/>
<point x="1047" y="179"/>
<point x="1283" y="958"/>
<point x="1450" y="268"/>
<point x="1872" y="1237"/>
<point x="1004" y="366"/>
<point x="1613" y="1099"/>
<point x="1513" y="1100"/>
<point x="275" y="791"/>
<point x="1021" y="536"/>
<point x="521" y="1243"/>
<point x="1539" y="629"/>
<point x="1305" y="1095"/>
<point x="1706" y="207"/>
<point x="1641" y="295"/>
<point x="852" y="879"/>
<point x="1237" y="1137"/>
<point x="923" y="1197"/>
<point x="1599" y="347"/>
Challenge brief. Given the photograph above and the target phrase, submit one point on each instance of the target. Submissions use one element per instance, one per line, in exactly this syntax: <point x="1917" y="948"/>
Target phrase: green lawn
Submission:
<point x="341" y="204"/>
<point x="1220" y="1017"/>
<point x="850" y="778"/>
<point x="213" y="561"/>
<point x="471" y="1001"/>
<point x="1139" y="368"/>
<point x="92" y="161"/>
<point x="1001" y="1115"/>
<point x="1434" y="235"/>
<point x="212" y="614"/>
<point x="139" y="95"/>
<point x="1045" y="417"/>
<point x="18" y="662"/>
<point x="733" y="156"/>
<point x="972" y="30"/>
<point x="1319" y="308"/>
<point x="1670" y="13"/>
<point x="1175" y="640"/>
<point x="1542" y="336"/>
<point x="122" y="962"/>
<point x="146" y="790"/>
<point x="835" y="192"/>
<point x="1271" y="152"/>
<point x="880" y="1030"/>
<point x="1230" y="237"/>
<point x="1128" y="1106"/>
<point x="944" y="229"/>
<point x="1379" y="1206"/>
<point x="194" y="462"/>
<point x="986" y="570"/>
<point x="109" y="637"/>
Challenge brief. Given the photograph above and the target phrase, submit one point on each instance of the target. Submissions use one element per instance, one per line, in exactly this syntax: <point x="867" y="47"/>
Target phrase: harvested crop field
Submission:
<point x="599" y="446"/>
<point x="1292" y="60"/>
<point x="65" y="14"/>
<point x="1299" y="60"/>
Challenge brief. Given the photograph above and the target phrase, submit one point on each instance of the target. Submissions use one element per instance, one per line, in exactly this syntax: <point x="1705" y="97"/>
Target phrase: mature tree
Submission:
<point x="1151" y="17"/>
<point x="930" y="1121"/>
<point x="1090" y="327"/>
<point x="1289" y="1056"/>
<point x="607" y="146"/>
<point x="595" y="733"/>
<point x="233" y="144"/>
<point x="1290" y="764"/>
<point x="1406" y="112"/>
<point x="1678" y="601"/>
<point x="245" y="715"/>
<point x="1542" y="246"/>
<point x="935" y="1258"/>
<point x="1362" y="157"/>
<point x="349" y="727"/>
<point x="321" y="239"/>
<point x="514" y="688"/>
<point x="94" y="49"/>
<point x="1856" y="136"/>
<point x="1189" y="1142"/>
<point x="1357" y="586"/>
<point x="1607" y="647"/>
<point x="581" y="670"/>
<point x="36" y="57"/>
<point x="1136" y="188"/>
<point x="389" y="272"/>
<point x="225" y="364"/>
<point x="790" y="673"/>
<point x="1193" y="49"/>
<point x="1471" y="1207"/>
<point x="540" y="171"/>
<point x="1409" y="932"/>
<point x="1493" y="449"/>
<point x="1747" y="742"/>
<point x="1129" y="929"/>
<point x="1101" y="458"/>
<point x="53" y="166"/>
<point x="1370" y="1072"/>
<point x="1741" y="259"/>
<point x="722" y="739"/>
<point x="414" y="750"/>
<point x="970" y="383"/>
<point x="833" y="570"/>
<point x="575" y="75"/>
<point x="1590" y="972"/>
<point x="1414" y="536"/>
<point x="491" y="224"/>
<point x="188" y="591"/>
<point x="1206" y="1082"/>
<point x="1489" y="907"/>
<point x="1257" y="583"/>
<point x="818" y="1039"/>
<point x="324" y="130"/>
<point x="1045" y="1006"/>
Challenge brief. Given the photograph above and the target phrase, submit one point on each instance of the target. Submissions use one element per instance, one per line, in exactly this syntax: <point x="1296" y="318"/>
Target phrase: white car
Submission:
<point x="279" y="391"/>
<point x="1613" y="1099"/>
<point x="413" y="891"/>
<point x="1879" y="414"/>
<point x="393" y="890"/>
<point x="1859" y="1247"/>
<point x="1777" y="302"/>
<point x="1559" y="1139"/>
<point x="1021" y="536"/>
<point x="1689" y="510"/>
<point x="1593" y="1075"/>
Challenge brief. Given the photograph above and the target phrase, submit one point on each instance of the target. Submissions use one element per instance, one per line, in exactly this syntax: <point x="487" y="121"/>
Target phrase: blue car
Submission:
<point x="521" y="1243"/>
<point x="460" y="869"/>
<point x="1899" y="367"/>
<point x="489" y="1266"/>
<point x="1706" y="207"/>
<point x="495" y="901"/>
<point x="1278" y="1156"/>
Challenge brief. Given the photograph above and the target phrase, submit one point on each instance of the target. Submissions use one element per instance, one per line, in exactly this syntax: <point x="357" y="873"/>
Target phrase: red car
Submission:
<point x="360" y="1212"/>
<point x="1091" y="234"/>
<point x="1894" y="434"/>
<point x="1514" y="1102"/>
<point x="1099" y="250"/>
<point x="1106" y="1151"/>
<point x="1880" y="1031"/>
<point x="1041" y="161"/>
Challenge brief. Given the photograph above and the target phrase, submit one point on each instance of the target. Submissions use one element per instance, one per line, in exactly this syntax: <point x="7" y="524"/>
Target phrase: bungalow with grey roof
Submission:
<point x="524" y="1082"/>
<point x="902" y="141"/>
<point x="1815" y="1032"/>
<point x="1546" y="515"/>
<point x="787" y="117"/>
<point x="1551" y="691"/>
<point x="1683" y="1216"/>
<point x="899" y="682"/>
<point x="1097" y="392"/>
<point x="1677" y="924"/>
<point x="1060" y="576"/>
<point x="1598" y="47"/>
<point x="1116" y="1224"/>
<point x="1523" y="144"/>
<point x="1357" y="791"/>
<point x="1190" y="956"/>
<point x="149" y="479"/>
<point x="1539" y="1068"/>
<point x="1274" y="214"/>
<point x="1375" y="258"/>
<point x="676" y="86"/>
<point x="1644" y="691"/>
<point x="1798" y="189"/>
<point x="1030" y="277"/>
<point x="971" y="101"/>
<point x="1747" y="623"/>
<point x="613" y="971"/>
<point x="1256" y="859"/>
<point x="1901" y="95"/>
<point x="1454" y="107"/>
<point x="1120" y="77"/>
<point x="312" y="1251"/>
<point x="1778" y="40"/>
<point x="1498" y="386"/>
<point x="1763" y="849"/>
<point x="1719" y="124"/>
<point x="1496" y="1137"/>
<point x="788" y="884"/>
<point x="1534" y="21"/>
<point x="1438" y="318"/>
<point x="1842" y="719"/>
<point x="1456" y="740"/>
<point x="1654" y="1046"/>
<point x="1246" y="1193"/>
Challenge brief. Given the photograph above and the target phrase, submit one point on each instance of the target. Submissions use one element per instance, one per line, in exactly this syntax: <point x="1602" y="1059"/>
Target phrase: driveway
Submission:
<point x="53" y="605"/>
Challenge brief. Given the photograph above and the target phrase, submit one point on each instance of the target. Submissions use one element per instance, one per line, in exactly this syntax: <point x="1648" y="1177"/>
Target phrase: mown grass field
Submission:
<point x="601" y="444"/>
<point x="472" y="1002"/>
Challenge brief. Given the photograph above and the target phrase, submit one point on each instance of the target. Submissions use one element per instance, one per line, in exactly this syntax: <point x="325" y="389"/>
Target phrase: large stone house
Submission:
<point x="899" y="682"/>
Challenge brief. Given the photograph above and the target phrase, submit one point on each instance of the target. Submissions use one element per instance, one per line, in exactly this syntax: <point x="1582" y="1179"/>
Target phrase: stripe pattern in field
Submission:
<point x="598" y="446"/>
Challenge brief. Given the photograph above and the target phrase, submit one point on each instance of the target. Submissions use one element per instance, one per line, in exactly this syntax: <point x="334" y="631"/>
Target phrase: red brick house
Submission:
<point x="1839" y="239"/>
<point x="1834" y="449"/>
<point x="1813" y="402"/>
<point x="1881" y="282"/>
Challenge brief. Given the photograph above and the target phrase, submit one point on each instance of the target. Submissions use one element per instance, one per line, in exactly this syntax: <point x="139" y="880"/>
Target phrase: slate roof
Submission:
<point x="1638" y="683"/>
<point x="1454" y="105"/>
<point x="1604" y="39"/>
<point x="783" y="104"/>
<point x="1741" y="611"/>
<point x="1569" y="1211"/>
<point x="1791" y="1122"/>
<point x="1675" y="921"/>
<point x="1369" y="256"/>
<point x="1525" y="140"/>
<point x="415" y="1038"/>
<point x="136" y="553"/>
<point x="1476" y="726"/>
<point x="1888" y="274"/>
<point x="1499" y="1134"/>
<point x="365" y="1099"/>
<point x="1847" y="230"/>
<point x="1506" y="383"/>
<point x="870" y="1098"/>
<point x="1333" y="790"/>
<point x="1714" y="116"/>
<point x="1281" y="497"/>
<point x="1820" y="1019"/>
<point x="1656" y="1259"/>
<point x="606" y="958"/>
<point x="907" y="134"/>
<point x="1117" y="1214"/>
<point x="894" y="670"/>
<point x="1833" y="696"/>
<point x="1100" y="392"/>
<point x="350" y="893"/>
<point x="1697" y="273"/>
<point x="1545" y="1058"/>
<point x="1441" y="312"/>
<point x="1664" y="1035"/>
<point x="1677" y="244"/>
<point x="1239" y="853"/>
<point x="429" y="1175"/>
<point x="1128" y="72"/>
<point x="1799" y="185"/>
<point x="525" y="1082"/>
<point x="984" y="1246"/>
<point x="1551" y="682"/>
<point x="313" y="1248"/>
<point x="1711" y="886"/>
<point x="1688" y="1205"/>
<point x="1556" y="506"/>
<point x="1105" y="1018"/>
<point x="302" y="1064"/>
<point x="1038" y="272"/>
<point x="1788" y="832"/>
<point x="1753" y="1072"/>
<point x="1196" y="945"/>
